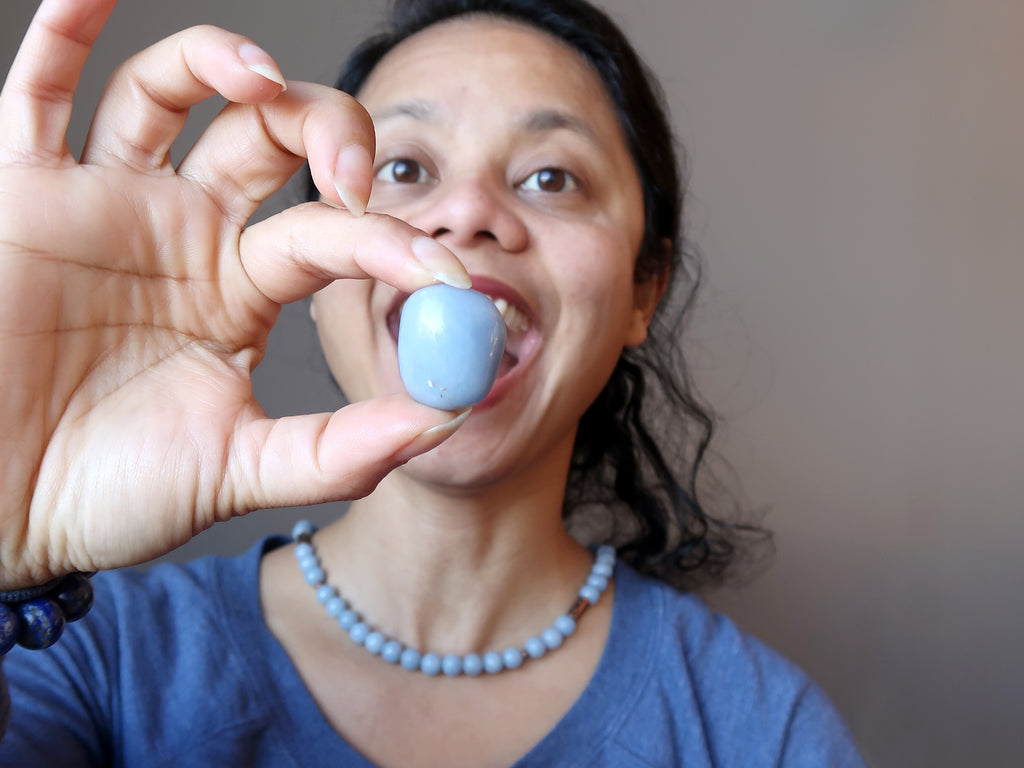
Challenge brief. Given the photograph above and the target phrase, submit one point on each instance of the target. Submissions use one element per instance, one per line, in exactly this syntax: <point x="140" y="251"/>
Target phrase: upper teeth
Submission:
<point x="513" y="317"/>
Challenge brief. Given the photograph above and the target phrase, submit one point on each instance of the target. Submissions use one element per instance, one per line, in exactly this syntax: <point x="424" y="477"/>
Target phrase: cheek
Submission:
<point x="345" y="332"/>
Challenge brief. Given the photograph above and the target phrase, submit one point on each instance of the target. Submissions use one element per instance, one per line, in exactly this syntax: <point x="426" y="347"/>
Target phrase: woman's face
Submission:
<point x="501" y="142"/>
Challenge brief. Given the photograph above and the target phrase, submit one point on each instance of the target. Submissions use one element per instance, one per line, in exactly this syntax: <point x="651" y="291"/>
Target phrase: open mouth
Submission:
<point x="517" y="325"/>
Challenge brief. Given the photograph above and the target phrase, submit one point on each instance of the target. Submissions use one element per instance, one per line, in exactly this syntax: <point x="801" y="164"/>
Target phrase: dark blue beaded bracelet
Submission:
<point x="37" y="620"/>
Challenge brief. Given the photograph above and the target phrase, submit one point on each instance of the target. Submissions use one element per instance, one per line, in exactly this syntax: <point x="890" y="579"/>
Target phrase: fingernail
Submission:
<point x="440" y="262"/>
<point x="259" y="61"/>
<point x="433" y="437"/>
<point x="354" y="162"/>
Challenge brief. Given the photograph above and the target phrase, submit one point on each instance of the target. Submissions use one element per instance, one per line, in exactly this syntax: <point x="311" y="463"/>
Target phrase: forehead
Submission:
<point x="476" y="57"/>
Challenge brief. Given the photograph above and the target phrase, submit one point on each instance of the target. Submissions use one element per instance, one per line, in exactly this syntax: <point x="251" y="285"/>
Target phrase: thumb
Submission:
<point x="300" y="460"/>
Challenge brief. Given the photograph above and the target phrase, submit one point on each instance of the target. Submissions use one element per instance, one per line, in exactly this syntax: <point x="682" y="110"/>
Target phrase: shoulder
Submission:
<point x="720" y="690"/>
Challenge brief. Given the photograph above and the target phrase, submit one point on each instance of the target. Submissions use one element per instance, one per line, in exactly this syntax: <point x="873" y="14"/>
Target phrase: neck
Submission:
<point x="452" y="571"/>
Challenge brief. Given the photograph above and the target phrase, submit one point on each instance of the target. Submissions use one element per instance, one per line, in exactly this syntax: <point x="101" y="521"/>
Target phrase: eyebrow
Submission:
<point x="538" y="121"/>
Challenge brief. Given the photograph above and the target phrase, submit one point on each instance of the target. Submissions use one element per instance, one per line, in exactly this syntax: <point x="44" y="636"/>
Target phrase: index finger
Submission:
<point x="35" y="104"/>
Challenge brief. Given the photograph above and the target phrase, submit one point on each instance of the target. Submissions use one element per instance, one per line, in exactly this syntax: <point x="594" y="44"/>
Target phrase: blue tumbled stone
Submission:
<point x="450" y="344"/>
<point x="41" y="623"/>
<point x="8" y="629"/>
<point x="74" y="596"/>
<point x="472" y="664"/>
<point x="430" y="664"/>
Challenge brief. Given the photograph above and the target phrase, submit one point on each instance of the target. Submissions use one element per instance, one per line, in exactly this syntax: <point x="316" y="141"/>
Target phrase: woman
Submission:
<point x="512" y="140"/>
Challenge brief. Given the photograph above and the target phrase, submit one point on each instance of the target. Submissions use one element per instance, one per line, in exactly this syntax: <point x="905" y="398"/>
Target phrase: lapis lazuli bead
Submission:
<point x="430" y="664"/>
<point x="492" y="662"/>
<point x="451" y="664"/>
<point x="512" y="658"/>
<point x="8" y="629"/>
<point x="410" y="658"/>
<point x="472" y="664"/>
<point x="535" y="647"/>
<point x="552" y="638"/>
<point x="565" y="624"/>
<point x="450" y="345"/>
<point x="74" y="596"/>
<point x="41" y="623"/>
<point x="391" y="652"/>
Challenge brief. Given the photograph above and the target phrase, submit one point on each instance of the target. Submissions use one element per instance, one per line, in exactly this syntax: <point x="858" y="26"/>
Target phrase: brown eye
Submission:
<point x="403" y="171"/>
<point x="550" y="180"/>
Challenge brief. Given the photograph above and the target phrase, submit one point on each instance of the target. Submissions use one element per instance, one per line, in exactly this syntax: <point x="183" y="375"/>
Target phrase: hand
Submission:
<point x="136" y="303"/>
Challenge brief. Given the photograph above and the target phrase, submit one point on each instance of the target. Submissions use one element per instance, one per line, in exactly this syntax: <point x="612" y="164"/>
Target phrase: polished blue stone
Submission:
<point x="42" y="623"/>
<point x="565" y="624"/>
<point x="450" y="344"/>
<point x="8" y="628"/>
<point x="74" y="596"/>
<point x="430" y="664"/>
<point x="391" y="652"/>
<point x="536" y="647"/>
<point x="451" y="664"/>
<point x="512" y="658"/>
<point x="472" y="664"/>
<point x="492" y="662"/>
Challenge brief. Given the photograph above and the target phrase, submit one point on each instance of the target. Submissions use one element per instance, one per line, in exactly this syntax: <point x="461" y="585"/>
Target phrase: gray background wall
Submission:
<point x="858" y="190"/>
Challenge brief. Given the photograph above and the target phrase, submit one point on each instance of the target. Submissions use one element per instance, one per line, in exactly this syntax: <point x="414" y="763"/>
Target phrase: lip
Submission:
<point x="529" y="343"/>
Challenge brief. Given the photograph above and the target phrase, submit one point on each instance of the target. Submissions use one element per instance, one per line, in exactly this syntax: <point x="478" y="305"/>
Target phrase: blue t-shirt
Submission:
<point x="176" y="668"/>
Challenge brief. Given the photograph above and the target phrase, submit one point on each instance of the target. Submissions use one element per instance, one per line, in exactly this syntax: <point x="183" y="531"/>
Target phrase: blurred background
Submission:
<point x="858" y="192"/>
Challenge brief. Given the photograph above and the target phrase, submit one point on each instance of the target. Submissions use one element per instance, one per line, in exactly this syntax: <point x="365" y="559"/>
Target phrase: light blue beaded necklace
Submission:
<point x="471" y="664"/>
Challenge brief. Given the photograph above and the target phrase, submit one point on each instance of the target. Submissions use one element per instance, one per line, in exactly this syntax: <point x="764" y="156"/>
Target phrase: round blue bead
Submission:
<point x="374" y="642"/>
<point x="430" y="664"/>
<point x="512" y="658"/>
<point x="304" y="551"/>
<point x="359" y="632"/>
<point x="600" y="583"/>
<point x="450" y="345"/>
<point x="472" y="665"/>
<point x="552" y="638"/>
<point x="606" y="551"/>
<point x="41" y="623"/>
<point x="391" y="652"/>
<point x="8" y="629"/>
<point x="348" y="619"/>
<point x="536" y="647"/>
<point x="589" y="594"/>
<point x="492" y="662"/>
<point x="451" y="664"/>
<point x="565" y="624"/>
<point x="325" y="592"/>
<point x="314" y="575"/>
<point x="303" y="528"/>
<point x="410" y="658"/>
<point x="74" y="596"/>
<point x="603" y="569"/>
<point x="335" y="607"/>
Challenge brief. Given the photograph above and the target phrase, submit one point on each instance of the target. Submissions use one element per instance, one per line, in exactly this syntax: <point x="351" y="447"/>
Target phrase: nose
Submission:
<point x="471" y="212"/>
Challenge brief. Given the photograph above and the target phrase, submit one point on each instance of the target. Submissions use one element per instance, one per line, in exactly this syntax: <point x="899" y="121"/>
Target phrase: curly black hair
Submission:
<point x="641" y="446"/>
